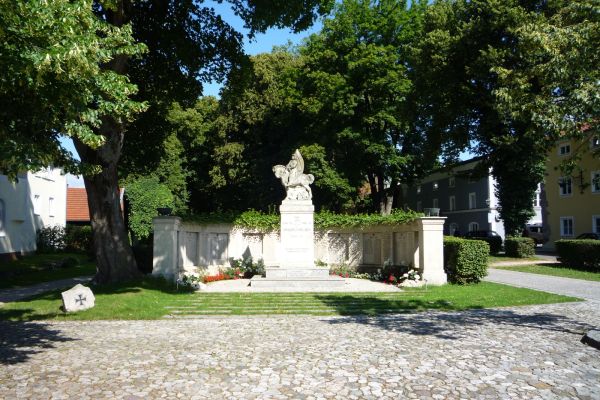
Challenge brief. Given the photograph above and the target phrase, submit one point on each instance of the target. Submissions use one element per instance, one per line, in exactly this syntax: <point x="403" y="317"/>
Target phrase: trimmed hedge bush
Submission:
<point x="584" y="254"/>
<point x="465" y="260"/>
<point x="519" y="247"/>
<point x="79" y="238"/>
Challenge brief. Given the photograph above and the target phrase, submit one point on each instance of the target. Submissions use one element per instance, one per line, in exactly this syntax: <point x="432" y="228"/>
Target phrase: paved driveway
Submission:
<point x="566" y="286"/>
<point x="520" y="353"/>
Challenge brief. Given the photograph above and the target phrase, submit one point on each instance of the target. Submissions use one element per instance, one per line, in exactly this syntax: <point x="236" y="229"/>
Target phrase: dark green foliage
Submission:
<point x="584" y="254"/>
<point x="69" y="262"/>
<point x="465" y="260"/>
<point x="494" y="243"/>
<point x="323" y="220"/>
<point x="142" y="251"/>
<point x="356" y="82"/>
<point x="519" y="247"/>
<point x="145" y="195"/>
<point x="503" y="75"/>
<point x="50" y="239"/>
<point x="79" y="238"/>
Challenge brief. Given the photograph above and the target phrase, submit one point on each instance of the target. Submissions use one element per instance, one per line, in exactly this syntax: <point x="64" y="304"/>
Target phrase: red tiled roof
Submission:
<point x="77" y="205"/>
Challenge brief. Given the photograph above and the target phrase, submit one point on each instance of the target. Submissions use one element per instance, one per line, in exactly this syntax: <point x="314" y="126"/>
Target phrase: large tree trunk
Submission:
<point x="114" y="257"/>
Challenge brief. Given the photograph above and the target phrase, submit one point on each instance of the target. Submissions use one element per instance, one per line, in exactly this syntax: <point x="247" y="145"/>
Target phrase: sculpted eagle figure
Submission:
<point x="293" y="178"/>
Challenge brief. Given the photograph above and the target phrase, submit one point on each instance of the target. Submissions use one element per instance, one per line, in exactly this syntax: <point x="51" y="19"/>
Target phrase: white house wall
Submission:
<point x="21" y="219"/>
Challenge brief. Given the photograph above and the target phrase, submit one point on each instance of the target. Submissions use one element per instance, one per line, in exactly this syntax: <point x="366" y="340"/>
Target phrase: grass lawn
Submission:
<point x="556" y="270"/>
<point x="35" y="269"/>
<point x="152" y="298"/>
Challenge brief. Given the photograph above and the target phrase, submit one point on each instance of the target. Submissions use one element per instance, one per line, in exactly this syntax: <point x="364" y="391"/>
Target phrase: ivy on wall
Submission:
<point x="323" y="220"/>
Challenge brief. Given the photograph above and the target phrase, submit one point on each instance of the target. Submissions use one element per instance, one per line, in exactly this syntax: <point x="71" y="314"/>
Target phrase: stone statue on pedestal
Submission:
<point x="293" y="178"/>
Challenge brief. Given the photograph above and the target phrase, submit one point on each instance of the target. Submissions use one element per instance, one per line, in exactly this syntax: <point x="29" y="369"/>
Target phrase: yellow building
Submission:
<point x="572" y="202"/>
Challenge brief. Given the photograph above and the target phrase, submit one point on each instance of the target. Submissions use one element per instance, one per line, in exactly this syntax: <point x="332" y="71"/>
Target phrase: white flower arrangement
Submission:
<point x="193" y="280"/>
<point x="412" y="278"/>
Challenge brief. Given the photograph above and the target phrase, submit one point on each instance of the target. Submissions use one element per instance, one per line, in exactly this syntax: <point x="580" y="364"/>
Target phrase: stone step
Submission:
<point x="297" y="283"/>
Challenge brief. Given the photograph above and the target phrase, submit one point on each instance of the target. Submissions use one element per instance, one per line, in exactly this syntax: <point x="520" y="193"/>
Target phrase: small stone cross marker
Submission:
<point x="80" y="299"/>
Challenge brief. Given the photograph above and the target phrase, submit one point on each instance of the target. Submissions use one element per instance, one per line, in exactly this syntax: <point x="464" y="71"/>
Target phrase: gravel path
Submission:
<point x="20" y="293"/>
<point x="567" y="286"/>
<point x="512" y="353"/>
<point x="351" y="285"/>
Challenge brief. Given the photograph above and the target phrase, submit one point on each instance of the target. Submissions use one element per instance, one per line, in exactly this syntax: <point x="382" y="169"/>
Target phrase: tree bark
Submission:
<point x="114" y="256"/>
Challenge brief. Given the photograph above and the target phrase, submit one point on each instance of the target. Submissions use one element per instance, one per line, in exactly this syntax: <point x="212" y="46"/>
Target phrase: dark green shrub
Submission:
<point x="142" y="252"/>
<point x="50" y="239"/>
<point x="145" y="195"/>
<point x="584" y="254"/>
<point x="494" y="243"/>
<point x="79" y="238"/>
<point x="465" y="260"/>
<point x="69" y="262"/>
<point x="519" y="247"/>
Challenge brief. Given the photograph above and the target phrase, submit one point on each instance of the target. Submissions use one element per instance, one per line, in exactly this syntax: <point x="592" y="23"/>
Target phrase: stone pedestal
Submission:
<point x="297" y="253"/>
<point x="297" y="248"/>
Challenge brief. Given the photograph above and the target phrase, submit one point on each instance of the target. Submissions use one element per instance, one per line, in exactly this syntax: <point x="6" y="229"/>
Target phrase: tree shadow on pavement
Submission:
<point x="21" y="340"/>
<point x="447" y="324"/>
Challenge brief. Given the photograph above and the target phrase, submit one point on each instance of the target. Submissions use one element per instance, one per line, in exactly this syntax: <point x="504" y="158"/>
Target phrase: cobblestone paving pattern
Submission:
<point x="511" y="353"/>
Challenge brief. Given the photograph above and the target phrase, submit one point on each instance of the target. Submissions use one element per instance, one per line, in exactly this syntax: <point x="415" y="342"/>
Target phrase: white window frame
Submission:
<point x="562" y="231"/>
<point x="452" y="203"/>
<point x="51" y="206"/>
<point x="37" y="203"/>
<point x="564" y="149"/>
<point x="451" y="182"/>
<point x="473" y="225"/>
<point x="472" y="201"/>
<point x="536" y="199"/>
<point x="435" y="203"/>
<point x="419" y="206"/>
<point x="562" y="189"/>
<point x="2" y="218"/>
<point x="594" y="142"/>
<point x="452" y="228"/>
<point x="595" y="188"/>
<point x="595" y="223"/>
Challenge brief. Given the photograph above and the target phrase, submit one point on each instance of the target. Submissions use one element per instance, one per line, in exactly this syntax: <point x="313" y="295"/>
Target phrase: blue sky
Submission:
<point x="262" y="43"/>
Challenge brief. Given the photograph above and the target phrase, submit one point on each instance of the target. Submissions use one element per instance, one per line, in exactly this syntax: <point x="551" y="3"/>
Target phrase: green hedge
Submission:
<point x="465" y="260"/>
<point x="79" y="238"/>
<point x="583" y="254"/>
<point x="323" y="220"/>
<point x="519" y="247"/>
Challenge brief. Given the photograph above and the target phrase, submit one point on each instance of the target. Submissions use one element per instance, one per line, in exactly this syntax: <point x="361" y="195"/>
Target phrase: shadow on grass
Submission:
<point x="19" y="341"/>
<point x="450" y="325"/>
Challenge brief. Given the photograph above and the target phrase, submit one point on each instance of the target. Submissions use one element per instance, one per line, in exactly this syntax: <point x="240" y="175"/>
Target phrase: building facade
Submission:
<point x="35" y="200"/>
<point x="572" y="202"/>
<point x="467" y="200"/>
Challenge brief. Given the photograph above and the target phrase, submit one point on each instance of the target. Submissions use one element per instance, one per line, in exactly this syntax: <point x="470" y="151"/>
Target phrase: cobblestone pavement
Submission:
<point x="511" y="353"/>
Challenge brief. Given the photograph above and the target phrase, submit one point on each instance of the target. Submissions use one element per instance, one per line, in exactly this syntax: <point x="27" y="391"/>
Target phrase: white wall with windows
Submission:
<point x="35" y="200"/>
